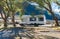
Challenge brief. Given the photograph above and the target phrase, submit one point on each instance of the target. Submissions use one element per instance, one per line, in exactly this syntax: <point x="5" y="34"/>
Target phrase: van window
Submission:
<point x="41" y="19"/>
<point x="32" y="18"/>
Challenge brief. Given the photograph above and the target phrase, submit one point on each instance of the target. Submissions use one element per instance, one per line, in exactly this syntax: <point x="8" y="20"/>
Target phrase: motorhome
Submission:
<point x="33" y="20"/>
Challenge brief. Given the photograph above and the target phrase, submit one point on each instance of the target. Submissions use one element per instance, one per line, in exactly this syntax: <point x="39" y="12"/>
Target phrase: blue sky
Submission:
<point x="55" y="8"/>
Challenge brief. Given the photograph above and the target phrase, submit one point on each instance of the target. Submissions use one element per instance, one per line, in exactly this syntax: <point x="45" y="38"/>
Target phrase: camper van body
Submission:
<point x="33" y="20"/>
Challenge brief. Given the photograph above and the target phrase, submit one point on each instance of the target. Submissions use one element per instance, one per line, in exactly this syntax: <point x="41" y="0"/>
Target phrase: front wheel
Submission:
<point x="22" y="24"/>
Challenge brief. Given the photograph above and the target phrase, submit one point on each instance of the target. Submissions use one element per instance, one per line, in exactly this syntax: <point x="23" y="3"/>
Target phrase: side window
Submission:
<point x="32" y="18"/>
<point x="41" y="19"/>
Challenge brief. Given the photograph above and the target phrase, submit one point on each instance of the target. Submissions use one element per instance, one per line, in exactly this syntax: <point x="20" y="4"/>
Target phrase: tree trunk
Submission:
<point x="5" y="22"/>
<point x="56" y="21"/>
<point x="13" y="20"/>
<point x="55" y="18"/>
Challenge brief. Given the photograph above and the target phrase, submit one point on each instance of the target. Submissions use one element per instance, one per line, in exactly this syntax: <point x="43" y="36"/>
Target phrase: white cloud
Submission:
<point x="57" y="10"/>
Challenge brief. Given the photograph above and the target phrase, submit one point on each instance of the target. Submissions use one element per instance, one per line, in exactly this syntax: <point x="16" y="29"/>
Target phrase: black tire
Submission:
<point x="22" y="24"/>
<point x="36" y="25"/>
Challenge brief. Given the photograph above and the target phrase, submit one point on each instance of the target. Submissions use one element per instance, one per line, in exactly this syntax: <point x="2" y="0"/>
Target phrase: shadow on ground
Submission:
<point x="22" y="33"/>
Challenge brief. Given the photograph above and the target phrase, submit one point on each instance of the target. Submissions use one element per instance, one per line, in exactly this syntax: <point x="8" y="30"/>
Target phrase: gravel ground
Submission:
<point x="38" y="33"/>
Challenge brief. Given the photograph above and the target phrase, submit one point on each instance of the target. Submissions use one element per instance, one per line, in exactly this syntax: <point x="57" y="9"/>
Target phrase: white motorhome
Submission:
<point x="33" y="20"/>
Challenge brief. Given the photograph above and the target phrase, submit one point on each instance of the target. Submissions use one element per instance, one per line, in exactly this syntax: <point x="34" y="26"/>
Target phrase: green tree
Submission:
<point x="4" y="11"/>
<point x="10" y="7"/>
<point x="15" y="6"/>
<point x="47" y="5"/>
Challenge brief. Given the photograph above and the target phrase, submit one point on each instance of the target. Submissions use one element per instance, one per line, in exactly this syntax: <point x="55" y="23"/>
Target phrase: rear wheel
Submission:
<point x="36" y="25"/>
